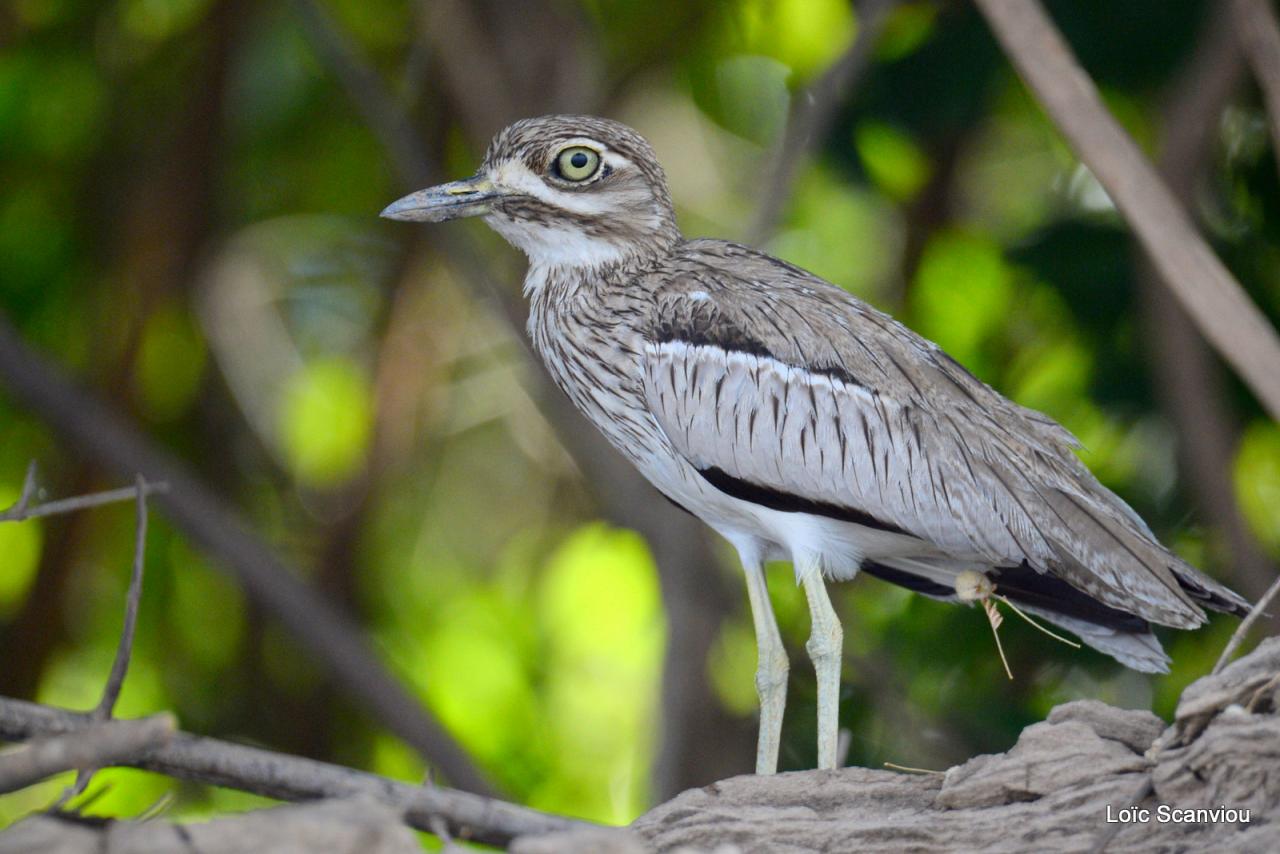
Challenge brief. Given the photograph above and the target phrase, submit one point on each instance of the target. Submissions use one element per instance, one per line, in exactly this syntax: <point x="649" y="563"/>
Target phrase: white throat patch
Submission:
<point x="552" y="244"/>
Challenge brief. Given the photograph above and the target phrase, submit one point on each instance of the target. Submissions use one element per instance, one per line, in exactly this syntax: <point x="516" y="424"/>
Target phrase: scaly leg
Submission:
<point x="826" y="642"/>
<point x="771" y="665"/>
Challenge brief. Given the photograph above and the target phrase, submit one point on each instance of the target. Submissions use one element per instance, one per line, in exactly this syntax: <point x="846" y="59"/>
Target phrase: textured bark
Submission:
<point x="1050" y="792"/>
<point x="342" y="827"/>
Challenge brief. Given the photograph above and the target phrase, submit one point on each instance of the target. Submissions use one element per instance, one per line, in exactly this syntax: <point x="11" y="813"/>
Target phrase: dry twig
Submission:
<point x="120" y="666"/>
<point x="1255" y="613"/>
<point x="292" y="778"/>
<point x="124" y="650"/>
<point x="1188" y="266"/>
<point x="23" y="510"/>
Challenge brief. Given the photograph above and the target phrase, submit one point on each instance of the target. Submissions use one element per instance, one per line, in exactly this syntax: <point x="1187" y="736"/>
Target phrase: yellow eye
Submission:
<point x="577" y="163"/>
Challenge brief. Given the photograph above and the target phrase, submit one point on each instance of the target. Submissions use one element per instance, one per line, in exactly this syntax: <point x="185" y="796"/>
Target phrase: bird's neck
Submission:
<point x="558" y="292"/>
<point x="558" y="274"/>
<point x="566" y="252"/>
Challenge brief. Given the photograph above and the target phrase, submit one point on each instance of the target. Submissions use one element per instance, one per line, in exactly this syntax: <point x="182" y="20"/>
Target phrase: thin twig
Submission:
<point x="1255" y="613"/>
<point x="1212" y="297"/>
<point x="124" y="651"/>
<point x="1259" y="34"/>
<point x="94" y="746"/>
<point x="812" y="113"/>
<point x="292" y="778"/>
<point x="1006" y="600"/>
<point x="994" y="618"/>
<point x="894" y="766"/>
<point x="24" y="498"/>
<point x="21" y="512"/>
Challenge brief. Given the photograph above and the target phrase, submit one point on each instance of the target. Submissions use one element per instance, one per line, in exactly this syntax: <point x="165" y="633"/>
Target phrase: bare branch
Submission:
<point x="1259" y="34"/>
<point x="93" y="746"/>
<point x="24" y="498"/>
<point x="292" y="778"/>
<point x="120" y="667"/>
<point x="812" y="113"/>
<point x="102" y="436"/>
<point x="1188" y="266"/>
<point x="124" y="651"/>
<point x="1255" y="613"/>
<point x="21" y="511"/>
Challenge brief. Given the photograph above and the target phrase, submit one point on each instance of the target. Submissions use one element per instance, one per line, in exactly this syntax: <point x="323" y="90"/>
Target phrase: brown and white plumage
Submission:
<point x="798" y="421"/>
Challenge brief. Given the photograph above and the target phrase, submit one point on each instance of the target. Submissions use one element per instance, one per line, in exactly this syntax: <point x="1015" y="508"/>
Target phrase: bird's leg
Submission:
<point x="771" y="667"/>
<point x="826" y="642"/>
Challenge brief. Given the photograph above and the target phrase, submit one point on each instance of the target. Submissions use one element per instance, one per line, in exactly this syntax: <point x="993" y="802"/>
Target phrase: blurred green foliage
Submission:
<point x="187" y="222"/>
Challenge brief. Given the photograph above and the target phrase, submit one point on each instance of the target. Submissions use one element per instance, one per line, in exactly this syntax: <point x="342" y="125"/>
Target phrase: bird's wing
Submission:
<point x="784" y="389"/>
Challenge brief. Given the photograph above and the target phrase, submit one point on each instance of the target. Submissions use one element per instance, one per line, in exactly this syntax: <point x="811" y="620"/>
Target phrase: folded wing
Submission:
<point x="772" y="378"/>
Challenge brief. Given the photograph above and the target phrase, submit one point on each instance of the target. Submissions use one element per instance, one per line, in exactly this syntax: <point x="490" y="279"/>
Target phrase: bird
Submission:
<point x="802" y="424"/>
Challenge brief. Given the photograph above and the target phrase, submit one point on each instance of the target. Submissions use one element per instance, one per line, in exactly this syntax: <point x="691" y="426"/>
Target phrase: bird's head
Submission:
<point x="572" y="191"/>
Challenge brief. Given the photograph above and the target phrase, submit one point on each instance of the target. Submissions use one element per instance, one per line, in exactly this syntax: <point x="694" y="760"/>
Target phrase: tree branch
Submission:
<point x="1205" y="287"/>
<point x="93" y="746"/>
<point x="812" y="112"/>
<point x="1257" y="612"/>
<point x="22" y="510"/>
<point x="292" y="778"/>
<point x="100" y="434"/>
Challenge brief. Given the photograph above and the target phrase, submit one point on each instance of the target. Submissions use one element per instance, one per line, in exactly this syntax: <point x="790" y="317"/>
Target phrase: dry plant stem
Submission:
<point x="21" y="511"/>
<point x="120" y="666"/>
<point x="812" y="113"/>
<point x="894" y="766"/>
<point x="292" y="778"/>
<point x="99" y="434"/>
<point x="1255" y="613"/>
<point x="96" y="745"/>
<point x="28" y="491"/>
<point x="1212" y="297"/>
<point x="124" y="650"/>
<point x="994" y="618"/>
<point x="1259" y="34"/>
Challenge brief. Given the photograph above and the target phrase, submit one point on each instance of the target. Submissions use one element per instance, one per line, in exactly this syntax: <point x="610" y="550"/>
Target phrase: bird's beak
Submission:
<point x="470" y="197"/>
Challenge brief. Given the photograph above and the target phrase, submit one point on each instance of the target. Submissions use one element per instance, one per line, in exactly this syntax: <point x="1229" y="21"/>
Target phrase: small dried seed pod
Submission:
<point x="974" y="586"/>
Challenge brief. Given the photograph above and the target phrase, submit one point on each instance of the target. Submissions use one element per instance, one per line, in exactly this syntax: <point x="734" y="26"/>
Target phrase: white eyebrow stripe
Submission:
<point x="516" y="175"/>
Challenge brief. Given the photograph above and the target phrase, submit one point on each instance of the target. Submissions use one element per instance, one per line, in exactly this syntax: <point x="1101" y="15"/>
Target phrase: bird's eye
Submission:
<point x="577" y="163"/>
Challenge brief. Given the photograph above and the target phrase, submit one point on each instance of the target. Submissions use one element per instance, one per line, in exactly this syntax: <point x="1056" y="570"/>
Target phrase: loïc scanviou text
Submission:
<point x="1166" y="814"/>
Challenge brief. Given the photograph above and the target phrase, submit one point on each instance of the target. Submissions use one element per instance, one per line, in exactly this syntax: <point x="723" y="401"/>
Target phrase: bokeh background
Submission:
<point x="188" y="227"/>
